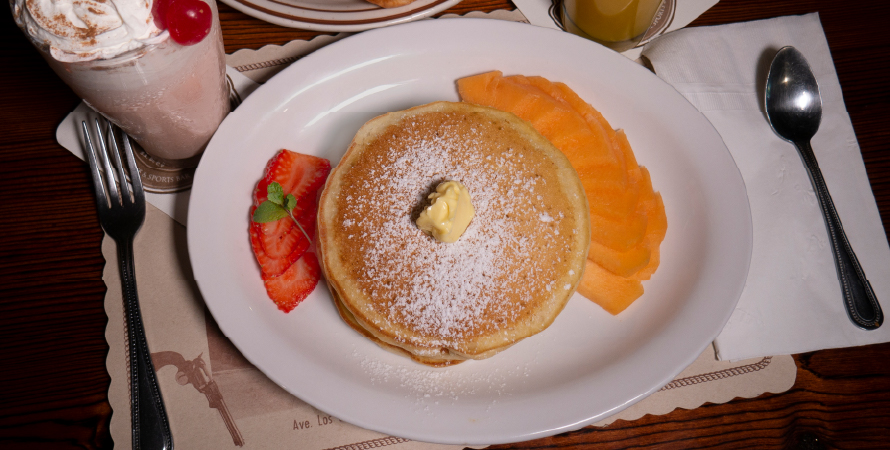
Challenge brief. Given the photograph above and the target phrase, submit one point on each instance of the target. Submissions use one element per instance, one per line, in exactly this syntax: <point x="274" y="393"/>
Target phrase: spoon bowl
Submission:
<point x="793" y="102"/>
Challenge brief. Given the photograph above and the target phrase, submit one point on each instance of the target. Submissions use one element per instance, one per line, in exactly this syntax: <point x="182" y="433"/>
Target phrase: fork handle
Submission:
<point x="151" y="430"/>
<point x="859" y="298"/>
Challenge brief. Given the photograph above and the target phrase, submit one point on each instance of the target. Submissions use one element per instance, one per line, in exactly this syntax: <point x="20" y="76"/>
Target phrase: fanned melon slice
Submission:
<point x="646" y="272"/>
<point x="482" y="88"/>
<point x="494" y="90"/>
<point x="593" y="177"/>
<point x="608" y="290"/>
<point x="624" y="146"/>
<point x="623" y="264"/>
<point x="614" y="199"/>
<point x="621" y="234"/>
<point x="594" y="118"/>
<point x="613" y="203"/>
<point x="654" y="208"/>
<point x="655" y="233"/>
<point x="658" y="224"/>
<point x="652" y="204"/>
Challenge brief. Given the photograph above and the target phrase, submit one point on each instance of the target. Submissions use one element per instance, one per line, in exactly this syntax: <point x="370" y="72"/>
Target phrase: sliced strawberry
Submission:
<point x="294" y="285"/>
<point x="269" y="265"/>
<point x="283" y="237"/>
<point x="298" y="174"/>
<point x="289" y="272"/>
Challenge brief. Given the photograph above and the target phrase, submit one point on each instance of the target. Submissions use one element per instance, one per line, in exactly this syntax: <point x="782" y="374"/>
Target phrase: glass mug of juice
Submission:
<point x="617" y="24"/>
<point x="155" y="68"/>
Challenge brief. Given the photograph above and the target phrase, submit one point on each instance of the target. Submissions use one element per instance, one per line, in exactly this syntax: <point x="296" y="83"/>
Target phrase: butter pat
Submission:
<point x="449" y="213"/>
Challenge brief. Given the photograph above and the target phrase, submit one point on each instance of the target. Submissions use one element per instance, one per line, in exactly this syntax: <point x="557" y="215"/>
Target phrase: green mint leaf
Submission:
<point x="290" y="202"/>
<point x="275" y="193"/>
<point x="269" y="212"/>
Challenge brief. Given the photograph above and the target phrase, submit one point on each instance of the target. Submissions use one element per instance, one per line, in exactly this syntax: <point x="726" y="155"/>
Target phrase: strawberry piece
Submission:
<point x="295" y="284"/>
<point x="298" y="174"/>
<point x="283" y="237"/>
<point x="269" y="265"/>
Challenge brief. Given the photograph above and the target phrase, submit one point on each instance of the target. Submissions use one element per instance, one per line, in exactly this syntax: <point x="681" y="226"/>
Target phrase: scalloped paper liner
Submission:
<point x="710" y="381"/>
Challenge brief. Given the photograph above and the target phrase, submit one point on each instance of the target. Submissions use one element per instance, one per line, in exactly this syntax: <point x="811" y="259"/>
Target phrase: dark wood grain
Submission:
<point x="53" y="382"/>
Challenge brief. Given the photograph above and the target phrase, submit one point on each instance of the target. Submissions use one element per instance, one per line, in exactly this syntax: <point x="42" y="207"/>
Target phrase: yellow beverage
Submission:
<point x="618" y="24"/>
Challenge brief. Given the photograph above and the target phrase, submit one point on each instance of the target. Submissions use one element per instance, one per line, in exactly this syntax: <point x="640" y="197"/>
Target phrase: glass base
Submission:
<point x="164" y="177"/>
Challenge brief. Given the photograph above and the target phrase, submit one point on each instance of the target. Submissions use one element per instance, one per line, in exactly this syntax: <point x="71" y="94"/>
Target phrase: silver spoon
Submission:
<point x="794" y="109"/>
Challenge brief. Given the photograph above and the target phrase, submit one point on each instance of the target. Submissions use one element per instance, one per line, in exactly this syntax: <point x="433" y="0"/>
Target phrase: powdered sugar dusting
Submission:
<point x="445" y="292"/>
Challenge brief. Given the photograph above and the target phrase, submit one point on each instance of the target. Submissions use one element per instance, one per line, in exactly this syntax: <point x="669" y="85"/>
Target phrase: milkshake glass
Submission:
<point x="168" y="97"/>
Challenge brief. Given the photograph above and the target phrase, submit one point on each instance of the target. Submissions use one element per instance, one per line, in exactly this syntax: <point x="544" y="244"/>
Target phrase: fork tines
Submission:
<point x="115" y="177"/>
<point x="123" y="215"/>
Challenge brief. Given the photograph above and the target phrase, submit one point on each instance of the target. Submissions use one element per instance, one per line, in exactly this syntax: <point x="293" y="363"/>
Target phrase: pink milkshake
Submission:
<point x="169" y="97"/>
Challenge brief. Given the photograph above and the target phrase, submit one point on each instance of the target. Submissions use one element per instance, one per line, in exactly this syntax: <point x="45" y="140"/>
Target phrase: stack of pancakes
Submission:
<point x="506" y="278"/>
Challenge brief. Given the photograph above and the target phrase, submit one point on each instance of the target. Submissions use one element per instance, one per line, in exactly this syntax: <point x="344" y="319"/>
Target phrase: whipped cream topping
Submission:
<point x="84" y="30"/>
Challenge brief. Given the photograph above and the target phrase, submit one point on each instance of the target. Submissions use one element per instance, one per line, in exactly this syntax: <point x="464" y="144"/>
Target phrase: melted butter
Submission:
<point x="449" y="213"/>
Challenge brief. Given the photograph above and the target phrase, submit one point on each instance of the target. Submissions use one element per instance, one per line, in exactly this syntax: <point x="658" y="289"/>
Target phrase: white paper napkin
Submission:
<point x="792" y="301"/>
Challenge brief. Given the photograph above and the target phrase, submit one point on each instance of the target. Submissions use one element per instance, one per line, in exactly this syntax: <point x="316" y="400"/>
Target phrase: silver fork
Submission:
<point x="121" y="217"/>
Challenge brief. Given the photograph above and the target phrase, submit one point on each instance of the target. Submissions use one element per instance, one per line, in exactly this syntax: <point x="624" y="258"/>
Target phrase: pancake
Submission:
<point x="444" y="360"/>
<point x="506" y="278"/>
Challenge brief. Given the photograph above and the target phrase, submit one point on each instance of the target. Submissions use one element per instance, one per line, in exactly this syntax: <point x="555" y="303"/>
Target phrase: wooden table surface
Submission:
<point x="53" y="382"/>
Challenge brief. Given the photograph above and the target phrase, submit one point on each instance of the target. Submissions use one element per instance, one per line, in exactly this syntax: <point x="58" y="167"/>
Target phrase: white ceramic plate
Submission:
<point x="336" y="15"/>
<point x="588" y="364"/>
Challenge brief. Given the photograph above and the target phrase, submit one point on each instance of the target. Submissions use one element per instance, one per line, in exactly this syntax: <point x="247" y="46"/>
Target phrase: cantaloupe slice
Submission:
<point x="654" y="209"/>
<point x="608" y="290"/>
<point x="614" y="199"/>
<point x="658" y="224"/>
<point x="655" y="233"/>
<point x="594" y="177"/>
<point x="544" y="113"/>
<point x="646" y="272"/>
<point x="653" y="205"/>
<point x="624" y="146"/>
<point x="623" y="264"/>
<point x="594" y="118"/>
<point x="481" y="88"/>
<point x="621" y="234"/>
<point x="613" y="202"/>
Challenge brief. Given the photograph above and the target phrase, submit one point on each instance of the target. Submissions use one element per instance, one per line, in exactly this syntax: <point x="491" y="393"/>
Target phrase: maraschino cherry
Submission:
<point x="159" y="13"/>
<point x="188" y="21"/>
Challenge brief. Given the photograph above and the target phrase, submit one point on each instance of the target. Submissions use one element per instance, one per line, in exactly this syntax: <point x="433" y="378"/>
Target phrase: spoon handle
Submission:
<point x="859" y="298"/>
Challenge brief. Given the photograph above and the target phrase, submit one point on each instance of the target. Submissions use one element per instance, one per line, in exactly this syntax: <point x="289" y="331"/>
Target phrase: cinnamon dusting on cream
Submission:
<point x="83" y="30"/>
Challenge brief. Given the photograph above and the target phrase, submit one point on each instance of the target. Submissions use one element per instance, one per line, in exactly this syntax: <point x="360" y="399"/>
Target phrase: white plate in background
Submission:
<point x="336" y="15"/>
